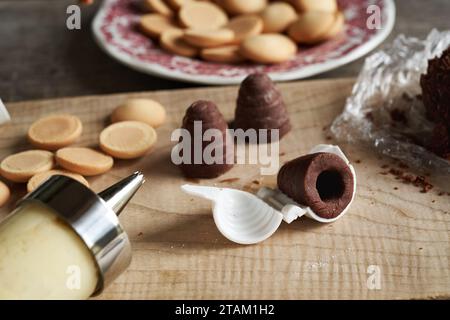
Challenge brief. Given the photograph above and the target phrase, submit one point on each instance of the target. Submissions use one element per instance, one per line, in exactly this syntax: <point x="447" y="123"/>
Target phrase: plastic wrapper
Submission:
<point x="385" y="110"/>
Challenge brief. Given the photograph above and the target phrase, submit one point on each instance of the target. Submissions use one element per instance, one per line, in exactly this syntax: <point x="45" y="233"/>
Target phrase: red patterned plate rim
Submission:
<point x="114" y="29"/>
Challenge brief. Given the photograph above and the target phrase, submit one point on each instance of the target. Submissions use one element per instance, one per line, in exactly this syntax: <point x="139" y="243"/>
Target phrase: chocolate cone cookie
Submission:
<point x="436" y="88"/>
<point x="436" y="97"/>
<point x="206" y="114"/>
<point x="260" y="106"/>
<point x="321" y="181"/>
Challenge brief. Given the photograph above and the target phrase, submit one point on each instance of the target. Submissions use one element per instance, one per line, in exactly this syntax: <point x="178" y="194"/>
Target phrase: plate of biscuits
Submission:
<point x="220" y="42"/>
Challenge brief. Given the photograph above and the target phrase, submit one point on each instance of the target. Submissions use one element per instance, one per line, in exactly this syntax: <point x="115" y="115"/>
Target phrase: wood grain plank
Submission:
<point x="179" y="254"/>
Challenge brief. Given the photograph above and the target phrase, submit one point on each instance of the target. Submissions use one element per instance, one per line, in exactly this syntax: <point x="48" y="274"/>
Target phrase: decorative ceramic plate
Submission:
<point x="115" y="29"/>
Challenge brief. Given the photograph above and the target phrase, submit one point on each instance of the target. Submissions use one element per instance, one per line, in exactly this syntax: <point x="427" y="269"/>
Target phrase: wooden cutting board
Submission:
<point x="393" y="233"/>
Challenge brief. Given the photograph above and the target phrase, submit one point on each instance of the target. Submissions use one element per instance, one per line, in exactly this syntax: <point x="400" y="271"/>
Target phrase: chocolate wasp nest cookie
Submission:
<point x="206" y="114"/>
<point x="260" y="106"/>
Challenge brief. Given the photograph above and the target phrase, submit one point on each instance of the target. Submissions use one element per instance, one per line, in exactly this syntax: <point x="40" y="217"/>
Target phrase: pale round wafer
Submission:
<point x="143" y="110"/>
<point x="277" y="17"/>
<point x="268" y="48"/>
<point x="155" y="24"/>
<point x="127" y="139"/>
<point x="236" y="7"/>
<point x="202" y="15"/>
<point x="158" y="6"/>
<point x="226" y="54"/>
<point x="312" y="27"/>
<point x="84" y="161"/>
<point x="337" y="27"/>
<point x="39" y="178"/>
<point x="208" y="38"/>
<point x="315" y="5"/>
<point x="20" y="167"/>
<point x="245" y="26"/>
<point x="55" y="131"/>
<point x="5" y="194"/>
<point x="172" y="41"/>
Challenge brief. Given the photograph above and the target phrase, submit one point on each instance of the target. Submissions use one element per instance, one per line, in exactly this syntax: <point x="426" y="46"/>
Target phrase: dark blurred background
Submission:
<point x="40" y="58"/>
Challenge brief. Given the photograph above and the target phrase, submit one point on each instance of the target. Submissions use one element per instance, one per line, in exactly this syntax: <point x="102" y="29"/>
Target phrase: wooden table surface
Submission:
<point x="40" y="58"/>
<point x="392" y="232"/>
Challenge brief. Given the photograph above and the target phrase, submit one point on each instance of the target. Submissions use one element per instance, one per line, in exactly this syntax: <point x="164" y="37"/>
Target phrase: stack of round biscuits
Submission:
<point x="232" y="31"/>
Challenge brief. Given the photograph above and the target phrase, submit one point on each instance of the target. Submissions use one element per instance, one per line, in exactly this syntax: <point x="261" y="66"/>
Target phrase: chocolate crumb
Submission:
<point x="256" y="182"/>
<point x="140" y="234"/>
<point x="403" y="165"/>
<point x="407" y="178"/>
<point x="358" y="161"/>
<point x="282" y="154"/>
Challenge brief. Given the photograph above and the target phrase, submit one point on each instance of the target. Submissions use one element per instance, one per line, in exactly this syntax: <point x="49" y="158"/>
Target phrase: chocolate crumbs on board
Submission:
<point x="408" y="178"/>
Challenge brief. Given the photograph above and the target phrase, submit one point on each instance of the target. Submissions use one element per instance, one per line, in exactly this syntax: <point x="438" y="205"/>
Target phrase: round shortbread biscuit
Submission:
<point x="236" y="7"/>
<point x="226" y="54"/>
<point x="337" y="27"/>
<point x="158" y="6"/>
<point x="277" y="17"/>
<point x="5" y="193"/>
<point x="84" y="161"/>
<point x="208" y="38"/>
<point x="315" y="5"/>
<point x="143" y="110"/>
<point x="154" y="24"/>
<point x="128" y="139"/>
<point x="20" y="167"/>
<point x="202" y="15"/>
<point x="39" y="178"/>
<point x="172" y="41"/>
<point x="268" y="48"/>
<point x="312" y="27"/>
<point x="245" y="26"/>
<point x="55" y="131"/>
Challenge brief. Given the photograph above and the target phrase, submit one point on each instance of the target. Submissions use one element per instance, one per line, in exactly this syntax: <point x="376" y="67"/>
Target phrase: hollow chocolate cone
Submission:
<point x="436" y="98"/>
<point x="436" y="89"/>
<point x="321" y="181"/>
<point x="260" y="106"/>
<point x="208" y="115"/>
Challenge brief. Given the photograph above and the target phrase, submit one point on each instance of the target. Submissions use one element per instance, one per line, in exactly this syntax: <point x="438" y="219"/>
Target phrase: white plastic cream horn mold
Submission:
<point x="4" y="115"/>
<point x="245" y="218"/>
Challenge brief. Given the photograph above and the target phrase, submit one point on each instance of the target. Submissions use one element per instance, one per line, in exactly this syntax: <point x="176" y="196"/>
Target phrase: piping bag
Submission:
<point x="246" y="218"/>
<point x="63" y="241"/>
